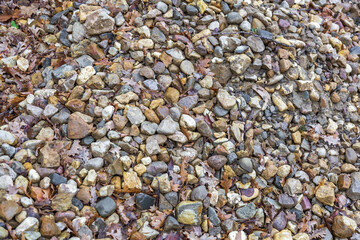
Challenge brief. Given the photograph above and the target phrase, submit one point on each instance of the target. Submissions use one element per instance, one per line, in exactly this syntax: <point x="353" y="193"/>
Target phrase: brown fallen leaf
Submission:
<point x="226" y="182"/>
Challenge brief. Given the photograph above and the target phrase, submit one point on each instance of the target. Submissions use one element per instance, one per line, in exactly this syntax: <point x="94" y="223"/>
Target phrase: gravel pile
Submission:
<point x="196" y="119"/>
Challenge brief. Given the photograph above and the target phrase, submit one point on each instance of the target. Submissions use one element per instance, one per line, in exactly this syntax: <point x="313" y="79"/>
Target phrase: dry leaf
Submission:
<point x="263" y="94"/>
<point x="39" y="194"/>
<point x="30" y="10"/>
<point x="183" y="172"/>
<point x="226" y="183"/>
<point x="158" y="220"/>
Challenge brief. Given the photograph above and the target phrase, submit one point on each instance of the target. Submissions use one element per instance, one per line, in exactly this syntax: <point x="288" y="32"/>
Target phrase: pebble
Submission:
<point x="105" y="207"/>
<point x="189" y="212"/>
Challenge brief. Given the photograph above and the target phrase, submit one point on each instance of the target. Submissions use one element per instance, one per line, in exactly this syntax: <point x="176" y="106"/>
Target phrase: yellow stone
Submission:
<point x="326" y="195"/>
<point x="301" y="236"/>
<point x="229" y="171"/>
<point x="283" y="40"/>
<point x="116" y="181"/>
<point x="296" y="136"/>
<point x="276" y="98"/>
<point x="202" y="6"/>
<point x="28" y="166"/>
<point x="283" y="235"/>
<point x="131" y="181"/>
<point x="36" y="78"/>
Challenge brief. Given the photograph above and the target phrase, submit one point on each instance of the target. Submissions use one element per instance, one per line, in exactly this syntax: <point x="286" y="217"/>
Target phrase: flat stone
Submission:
<point x="246" y="212"/>
<point x="77" y="127"/>
<point x="135" y="115"/>
<point x="326" y="195"/>
<point x="168" y="126"/>
<point x="189" y="212"/>
<point x="106" y="206"/>
<point x="144" y="201"/>
<point x="256" y="44"/>
<point x="217" y="161"/>
<point x="343" y="227"/>
<point x="48" y="226"/>
<point x="8" y="210"/>
<point x="99" y="22"/>
<point x="239" y="63"/>
<point x="187" y="67"/>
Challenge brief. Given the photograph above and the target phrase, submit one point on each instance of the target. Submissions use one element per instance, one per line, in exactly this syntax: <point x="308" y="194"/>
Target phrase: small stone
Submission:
<point x="284" y="171"/>
<point x="77" y="127"/>
<point x="135" y="115"/>
<point x="234" y="18"/>
<point x="354" y="191"/>
<point x="351" y="155"/>
<point x="304" y="85"/>
<point x="187" y="67"/>
<point x="199" y="193"/>
<point x="239" y="63"/>
<point x="3" y="233"/>
<point x="343" y="227"/>
<point x="189" y="212"/>
<point x="344" y="182"/>
<point x="246" y="212"/>
<point x="106" y="206"/>
<point x="6" y="137"/>
<point x="57" y="179"/>
<point x="172" y="95"/>
<point x="296" y="136"/>
<point x="30" y="223"/>
<point x="277" y="100"/>
<point x="217" y="161"/>
<point x="23" y="64"/>
<point x="171" y="224"/>
<point x="8" y="210"/>
<point x="246" y="164"/>
<point x="293" y="186"/>
<point x="94" y="163"/>
<point x="144" y="201"/>
<point x="283" y="235"/>
<point x="131" y="181"/>
<point x="99" y="22"/>
<point x="286" y="201"/>
<point x="168" y="126"/>
<point x="226" y="100"/>
<point x="48" y="226"/>
<point x="256" y="44"/>
<point x="48" y="157"/>
<point x="61" y="202"/>
<point x="326" y="195"/>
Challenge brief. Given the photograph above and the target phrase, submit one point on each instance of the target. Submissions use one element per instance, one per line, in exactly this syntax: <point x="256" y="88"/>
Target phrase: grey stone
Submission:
<point x="168" y="126"/>
<point x="171" y="224"/>
<point x="256" y="44"/>
<point x="105" y="207"/>
<point x="351" y="155"/>
<point x="148" y="128"/>
<point x="157" y="35"/>
<point x="354" y="190"/>
<point x="144" y="201"/>
<point x="94" y="163"/>
<point x="246" y="212"/>
<point x="199" y="193"/>
<point x="135" y="115"/>
<point x="234" y="18"/>
<point x="246" y="164"/>
<point x="212" y="215"/>
<point x="78" y="32"/>
<point x="84" y="61"/>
